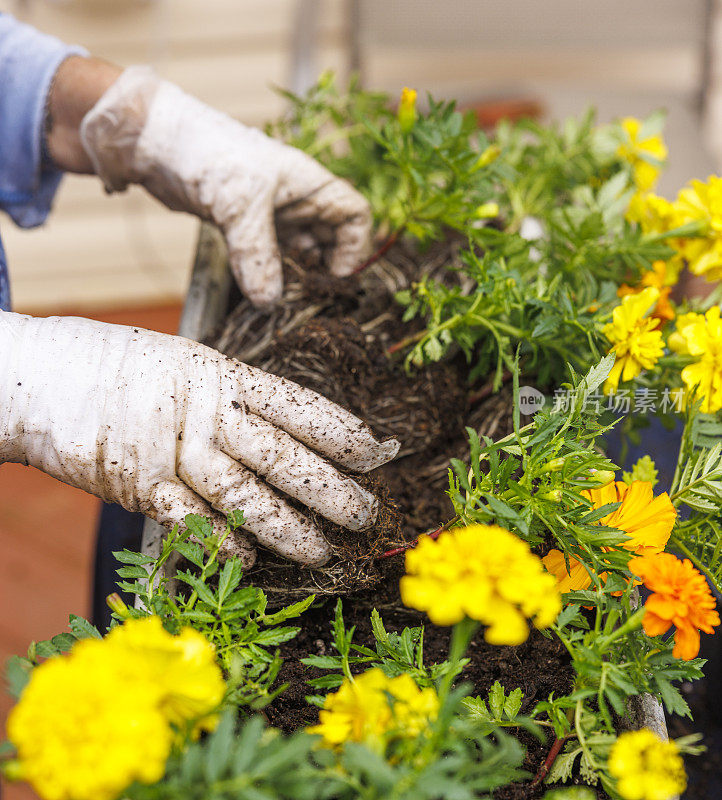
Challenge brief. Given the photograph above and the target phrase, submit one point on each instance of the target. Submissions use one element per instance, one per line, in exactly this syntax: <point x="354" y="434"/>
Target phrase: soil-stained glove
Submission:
<point x="193" y="158"/>
<point x="163" y="425"/>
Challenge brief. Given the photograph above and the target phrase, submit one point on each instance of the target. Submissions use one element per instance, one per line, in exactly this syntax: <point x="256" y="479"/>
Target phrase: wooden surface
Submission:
<point x="47" y="539"/>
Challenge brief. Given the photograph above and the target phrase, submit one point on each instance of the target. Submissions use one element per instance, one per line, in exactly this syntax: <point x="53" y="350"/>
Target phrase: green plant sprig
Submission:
<point x="234" y="618"/>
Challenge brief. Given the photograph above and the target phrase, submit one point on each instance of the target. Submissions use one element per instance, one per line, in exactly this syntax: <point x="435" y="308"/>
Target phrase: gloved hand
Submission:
<point x="163" y="425"/>
<point x="193" y="158"/>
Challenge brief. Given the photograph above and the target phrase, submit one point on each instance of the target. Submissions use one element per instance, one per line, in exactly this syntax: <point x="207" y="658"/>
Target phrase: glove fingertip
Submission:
<point x="352" y="248"/>
<point x="375" y="455"/>
<point x="260" y="280"/>
<point x="344" y="263"/>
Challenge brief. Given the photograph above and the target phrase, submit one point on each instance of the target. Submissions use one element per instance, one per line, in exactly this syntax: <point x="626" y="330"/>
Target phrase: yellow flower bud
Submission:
<point x="487" y="211"/>
<point x="554" y="465"/>
<point x="492" y="152"/>
<point x="407" y="109"/>
<point x="115" y="603"/>
<point x="554" y="495"/>
<point x="602" y="477"/>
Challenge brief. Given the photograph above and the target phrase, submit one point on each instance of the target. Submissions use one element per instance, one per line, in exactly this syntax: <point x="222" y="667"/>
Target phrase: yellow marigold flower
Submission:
<point x="677" y="341"/>
<point x="183" y="667"/>
<point x="646" y="767"/>
<point x="660" y="277"/>
<point x="646" y="156"/>
<point x="91" y="722"/>
<point x="407" y="109"/>
<point x="483" y="572"/>
<point x="373" y="708"/>
<point x="646" y="519"/>
<point x="635" y="340"/>
<point x="681" y="597"/>
<point x="653" y="214"/>
<point x="700" y="335"/>
<point x="83" y="733"/>
<point x="702" y="202"/>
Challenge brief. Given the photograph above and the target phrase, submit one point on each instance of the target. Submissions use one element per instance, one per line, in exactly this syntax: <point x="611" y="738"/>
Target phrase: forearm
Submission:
<point x="78" y="85"/>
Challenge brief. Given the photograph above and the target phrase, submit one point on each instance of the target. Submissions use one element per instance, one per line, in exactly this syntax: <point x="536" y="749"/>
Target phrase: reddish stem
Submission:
<point x="394" y="348"/>
<point x="385" y="247"/>
<point x="545" y="768"/>
<point x="488" y="389"/>
<point x="408" y="545"/>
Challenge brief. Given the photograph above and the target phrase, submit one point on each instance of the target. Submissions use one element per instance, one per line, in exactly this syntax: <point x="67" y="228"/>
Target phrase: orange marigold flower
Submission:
<point x="646" y="519"/>
<point x="571" y="580"/>
<point x="680" y="597"/>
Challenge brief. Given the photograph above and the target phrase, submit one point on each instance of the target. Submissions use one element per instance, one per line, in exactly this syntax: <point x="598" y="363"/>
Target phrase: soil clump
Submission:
<point x="333" y="335"/>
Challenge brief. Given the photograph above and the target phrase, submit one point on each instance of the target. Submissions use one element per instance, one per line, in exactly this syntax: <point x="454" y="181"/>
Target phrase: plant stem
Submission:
<point x="211" y="559"/>
<point x="385" y="247"/>
<point x="548" y="762"/>
<point x="487" y="389"/>
<point x="407" y="545"/>
<point x="634" y="622"/>
<point x="461" y="634"/>
<point x="405" y="342"/>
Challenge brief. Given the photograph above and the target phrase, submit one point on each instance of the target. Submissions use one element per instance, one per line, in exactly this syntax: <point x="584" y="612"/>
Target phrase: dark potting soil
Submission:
<point x="539" y="667"/>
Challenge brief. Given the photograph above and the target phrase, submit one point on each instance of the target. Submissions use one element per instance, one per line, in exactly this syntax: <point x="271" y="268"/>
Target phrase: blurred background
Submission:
<point x="127" y="259"/>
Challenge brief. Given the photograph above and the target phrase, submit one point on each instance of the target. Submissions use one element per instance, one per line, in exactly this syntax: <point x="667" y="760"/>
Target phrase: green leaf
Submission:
<point x="341" y="639"/>
<point x="17" y="674"/>
<point x="220" y="748"/>
<point x="133" y="572"/>
<point x="567" y="614"/>
<point x="200" y="527"/>
<point x="571" y="793"/>
<point x="229" y="579"/>
<point x="275" y="636"/>
<point x="377" y="626"/>
<point x="46" y="649"/>
<point x="6" y="749"/>
<point x="563" y="766"/>
<point x="496" y="699"/>
<point x="203" y="617"/>
<point x="326" y="682"/>
<point x="236" y="519"/>
<point x="433" y="349"/>
<point x="643" y="470"/>
<point x="289" y="612"/>
<point x="82" y="629"/>
<point x="201" y="589"/>
<point x="672" y="699"/>
<point x="129" y="557"/>
<point x="64" y="641"/>
<point x="192" y="552"/>
<point x="512" y="704"/>
<point x="322" y="662"/>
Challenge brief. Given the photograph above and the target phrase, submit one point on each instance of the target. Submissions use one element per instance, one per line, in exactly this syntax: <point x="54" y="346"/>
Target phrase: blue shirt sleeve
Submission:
<point x="28" y="62"/>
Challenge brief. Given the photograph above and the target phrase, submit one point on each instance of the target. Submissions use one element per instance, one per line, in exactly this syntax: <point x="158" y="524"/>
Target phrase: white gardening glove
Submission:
<point x="193" y="158"/>
<point x="163" y="425"/>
